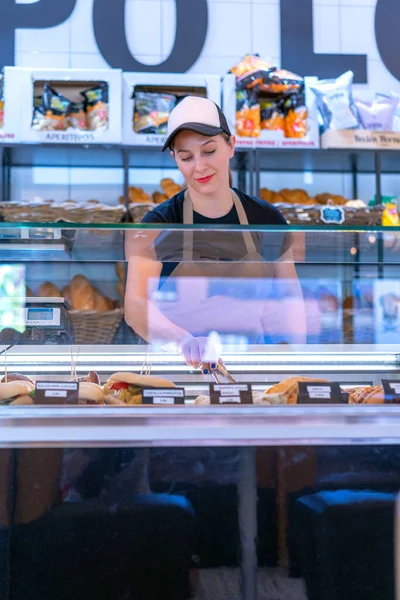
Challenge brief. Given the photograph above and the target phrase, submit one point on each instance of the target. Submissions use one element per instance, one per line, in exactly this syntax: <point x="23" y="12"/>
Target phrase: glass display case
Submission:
<point x="191" y="411"/>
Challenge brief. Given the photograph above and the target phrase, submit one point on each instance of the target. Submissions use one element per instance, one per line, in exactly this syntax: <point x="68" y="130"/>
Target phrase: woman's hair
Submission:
<point x="227" y="139"/>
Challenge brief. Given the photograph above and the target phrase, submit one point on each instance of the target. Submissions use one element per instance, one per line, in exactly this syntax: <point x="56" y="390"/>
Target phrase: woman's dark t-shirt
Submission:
<point x="169" y="245"/>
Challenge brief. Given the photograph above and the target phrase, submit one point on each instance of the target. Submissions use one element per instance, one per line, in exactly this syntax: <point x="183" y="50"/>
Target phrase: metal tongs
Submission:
<point x="220" y="371"/>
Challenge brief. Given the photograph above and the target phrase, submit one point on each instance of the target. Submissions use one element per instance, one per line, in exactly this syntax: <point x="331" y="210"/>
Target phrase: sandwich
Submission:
<point x="290" y="388"/>
<point x="127" y="387"/>
<point x="373" y="394"/>
<point x="16" y="388"/>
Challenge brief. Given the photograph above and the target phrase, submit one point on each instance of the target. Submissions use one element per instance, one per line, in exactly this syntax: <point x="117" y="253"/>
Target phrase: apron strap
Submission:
<point x="188" y="220"/>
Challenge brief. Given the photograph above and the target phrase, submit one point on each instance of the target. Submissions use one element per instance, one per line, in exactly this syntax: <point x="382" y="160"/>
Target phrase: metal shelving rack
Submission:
<point x="246" y="162"/>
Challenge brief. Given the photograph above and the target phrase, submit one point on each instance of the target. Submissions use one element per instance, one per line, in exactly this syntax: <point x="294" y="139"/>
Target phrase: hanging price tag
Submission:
<point x="320" y="393"/>
<point x="228" y="393"/>
<point x="56" y="392"/>
<point x="163" y="396"/>
<point x="392" y="391"/>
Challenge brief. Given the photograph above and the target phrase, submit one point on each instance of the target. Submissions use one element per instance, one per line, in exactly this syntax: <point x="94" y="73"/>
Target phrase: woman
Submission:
<point x="202" y="145"/>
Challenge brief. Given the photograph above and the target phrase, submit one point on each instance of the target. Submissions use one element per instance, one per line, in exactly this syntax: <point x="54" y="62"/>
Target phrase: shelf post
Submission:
<point x="125" y="155"/>
<point x="378" y="181"/>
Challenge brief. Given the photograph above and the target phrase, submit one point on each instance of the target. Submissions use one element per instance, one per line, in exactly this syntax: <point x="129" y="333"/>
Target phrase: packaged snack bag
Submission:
<point x="51" y="113"/>
<point x="379" y="114"/>
<point x="335" y="102"/>
<point x="96" y="104"/>
<point x="77" y="116"/>
<point x="248" y="118"/>
<point x="152" y="112"/>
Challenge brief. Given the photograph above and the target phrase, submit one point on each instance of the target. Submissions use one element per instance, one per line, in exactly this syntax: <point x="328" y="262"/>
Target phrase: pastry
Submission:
<point x="82" y="294"/>
<point x="330" y="199"/>
<point x="159" y="198"/>
<point x="48" y="290"/>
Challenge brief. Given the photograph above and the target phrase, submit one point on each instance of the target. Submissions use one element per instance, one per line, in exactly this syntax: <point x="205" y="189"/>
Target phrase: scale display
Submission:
<point x="40" y="314"/>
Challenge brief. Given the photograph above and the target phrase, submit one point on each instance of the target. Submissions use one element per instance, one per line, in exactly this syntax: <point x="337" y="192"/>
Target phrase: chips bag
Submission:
<point x="51" y="113"/>
<point x="335" y="102"/>
<point x="248" y="118"/>
<point x="96" y="105"/>
<point x="77" y="116"/>
<point x="272" y="117"/>
<point x="251" y="71"/>
<point x="151" y="112"/>
<point x="379" y="114"/>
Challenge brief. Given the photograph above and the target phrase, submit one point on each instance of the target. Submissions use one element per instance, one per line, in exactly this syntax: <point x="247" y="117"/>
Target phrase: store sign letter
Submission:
<point x="387" y="18"/>
<point x="297" y="46"/>
<point x="191" y="31"/>
<point x="41" y="14"/>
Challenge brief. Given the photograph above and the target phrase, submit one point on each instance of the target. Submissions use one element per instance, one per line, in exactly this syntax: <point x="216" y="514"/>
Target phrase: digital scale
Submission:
<point x="48" y="322"/>
<point x="45" y="242"/>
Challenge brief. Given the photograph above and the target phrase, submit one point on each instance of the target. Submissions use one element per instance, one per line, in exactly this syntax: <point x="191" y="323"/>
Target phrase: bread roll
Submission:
<point x="28" y="292"/>
<point x="102" y="303"/>
<point x="121" y="289"/>
<point x="159" y="198"/>
<point x="169" y="187"/>
<point x="82" y="294"/>
<point x="66" y="294"/>
<point x="48" y="290"/>
<point x="290" y="387"/>
<point x="330" y="199"/>
<point x="120" y="270"/>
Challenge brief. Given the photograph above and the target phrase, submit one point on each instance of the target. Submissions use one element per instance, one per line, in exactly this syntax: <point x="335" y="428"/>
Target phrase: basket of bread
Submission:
<point x="50" y="211"/>
<point x="95" y="317"/>
<point x="299" y="208"/>
<point x="140" y="202"/>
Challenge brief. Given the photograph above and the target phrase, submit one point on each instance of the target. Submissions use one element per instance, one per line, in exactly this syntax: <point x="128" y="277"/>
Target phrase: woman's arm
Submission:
<point x="143" y="278"/>
<point x="288" y="311"/>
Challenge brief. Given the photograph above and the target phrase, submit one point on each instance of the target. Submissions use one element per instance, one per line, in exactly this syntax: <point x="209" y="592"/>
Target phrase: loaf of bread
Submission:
<point x="270" y="196"/>
<point x="102" y="303"/>
<point x="120" y="270"/>
<point x="121" y="289"/>
<point x="66" y="294"/>
<point x="48" y="290"/>
<point x="82" y="294"/>
<point x="290" y="387"/>
<point x="28" y="292"/>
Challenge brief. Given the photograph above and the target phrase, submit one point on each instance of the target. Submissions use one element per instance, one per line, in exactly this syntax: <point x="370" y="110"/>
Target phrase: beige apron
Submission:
<point x="197" y="312"/>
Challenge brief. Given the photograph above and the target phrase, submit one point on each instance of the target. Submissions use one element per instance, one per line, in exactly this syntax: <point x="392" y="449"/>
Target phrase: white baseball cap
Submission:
<point x="200" y="115"/>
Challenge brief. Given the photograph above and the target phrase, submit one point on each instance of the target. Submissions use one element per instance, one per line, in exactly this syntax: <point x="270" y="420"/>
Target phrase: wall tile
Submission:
<point x="82" y="32"/>
<point x="45" y="60"/>
<point x="168" y="26"/>
<point x="358" y="3"/>
<point x="52" y="39"/>
<point x="207" y="65"/>
<point x="326" y="29"/>
<point x="233" y="39"/>
<point x="86" y="60"/>
<point x="358" y="31"/>
<point x="143" y="39"/>
<point x="380" y="79"/>
<point x="266" y="30"/>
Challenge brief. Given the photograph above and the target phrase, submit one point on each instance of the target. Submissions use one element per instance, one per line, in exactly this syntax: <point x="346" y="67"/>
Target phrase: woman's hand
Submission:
<point x="201" y="352"/>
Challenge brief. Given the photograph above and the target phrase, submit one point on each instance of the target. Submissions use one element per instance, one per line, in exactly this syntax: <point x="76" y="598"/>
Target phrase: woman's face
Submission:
<point x="203" y="161"/>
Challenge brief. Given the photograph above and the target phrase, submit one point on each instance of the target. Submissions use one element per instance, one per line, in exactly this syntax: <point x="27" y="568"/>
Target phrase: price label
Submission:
<point x="392" y="391"/>
<point x="56" y="392"/>
<point x="320" y="393"/>
<point x="231" y="393"/>
<point x="163" y="396"/>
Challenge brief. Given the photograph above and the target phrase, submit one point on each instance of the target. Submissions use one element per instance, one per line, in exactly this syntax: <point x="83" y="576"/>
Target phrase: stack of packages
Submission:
<point x="152" y="112"/>
<point x="268" y="98"/>
<point x="55" y="112"/>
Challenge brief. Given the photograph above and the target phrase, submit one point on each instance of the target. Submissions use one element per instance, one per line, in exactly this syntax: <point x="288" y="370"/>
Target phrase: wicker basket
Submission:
<point x="298" y="214"/>
<point x="50" y="212"/>
<point x="92" y="327"/>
